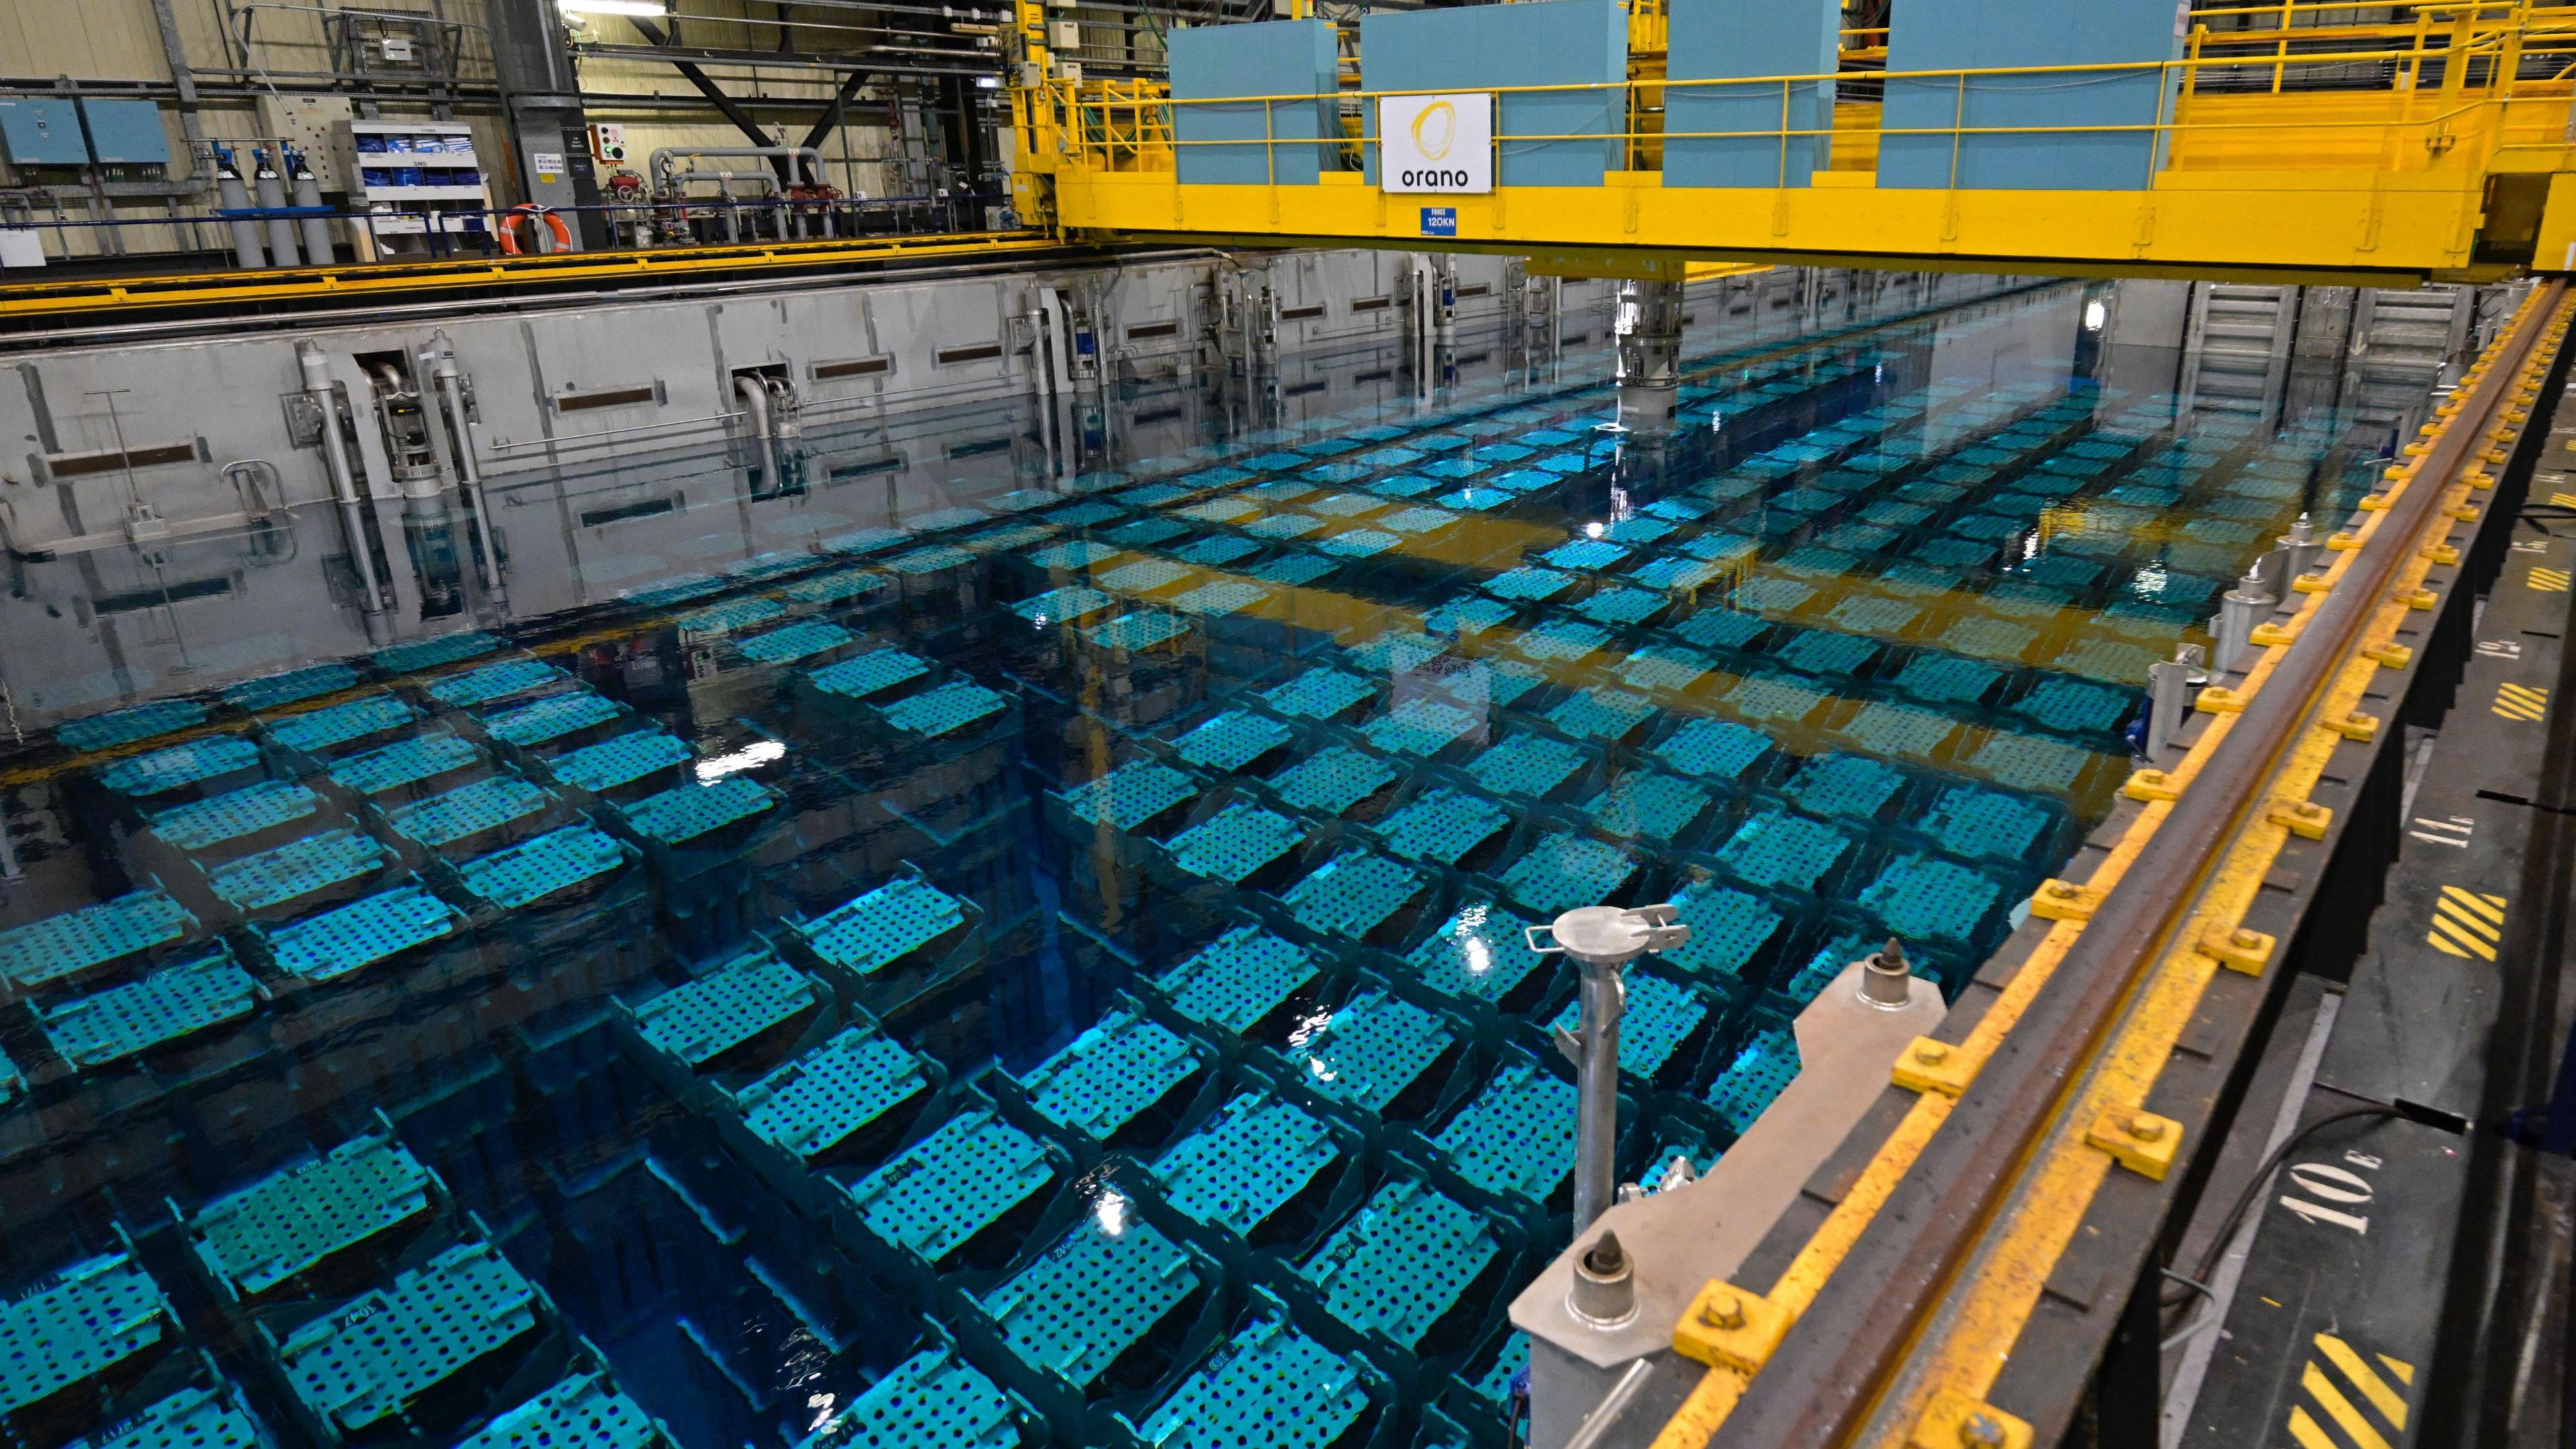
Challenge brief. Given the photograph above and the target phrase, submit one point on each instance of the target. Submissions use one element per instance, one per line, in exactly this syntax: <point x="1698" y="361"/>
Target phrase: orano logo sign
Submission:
<point x="1436" y="144"/>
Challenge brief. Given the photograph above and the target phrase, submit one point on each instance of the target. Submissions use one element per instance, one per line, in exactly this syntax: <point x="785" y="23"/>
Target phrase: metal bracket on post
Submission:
<point x="1601" y="941"/>
<point x="2169" y="685"/>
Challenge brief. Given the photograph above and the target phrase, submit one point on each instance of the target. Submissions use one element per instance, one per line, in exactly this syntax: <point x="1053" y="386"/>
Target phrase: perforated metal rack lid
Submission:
<point x="685" y="812"/>
<point x="494" y="681"/>
<point x="57" y="946"/>
<point x="469" y="809"/>
<point x="530" y="871"/>
<point x="1927" y="899"/>
<point x="1244" y="1163"/>
<point x="935" y="1195"/>
<point x="1762" y="1069"/>
<point x="234" y="814"/>
<point x="293" y="685"/>
<point x="125" y="726"/>
<point x="1517" y="1138"/>
<point x="1442" y="825"/>
<point x="92" y="1316"/>
<point x="1660" y="1017"/>
<point x="1237" y="979"/>
<point x="176" y="766"/>
<point x="192" y="1418"/>
<point x="945" y="710"/>
<point x="1061" y="605"/>
<point x="297" y="869"/>
<point x="932" y="1400"/>
<point x="717" y="1012"/>
<point x="1370" y="1050"/>
<point x="374" y="1356"/>
<point x="837" y="586"/>
<point x="430" y="653"/>
<point x="1135" y="632"/>
<point x="1564" y="871"/>
<point x="1235" y="843"/>
<point x="811" y="1104"/>
<point x="1093" y="1294"/>
<point x="585" y="1411"/>
<point x="1353" y="894"/>
<point x="348" y="938"/>
<point x="1400" y="1263"/>
<point x="171" y="1003"/>
<point x="621" y="761"/>
<point x="1332" y="781"/>
<point x="883" y="926"/>
<point x="1271" y="1386"/>
<point x="291" y="1220"/>
<point x="405" y="762"/>
<point x="730" y="615"/>
<point x="1319" y="693"/>
<point x="551" y="718"/>
<point x="1103" y="1078"/>
<point x="338" y="723"/>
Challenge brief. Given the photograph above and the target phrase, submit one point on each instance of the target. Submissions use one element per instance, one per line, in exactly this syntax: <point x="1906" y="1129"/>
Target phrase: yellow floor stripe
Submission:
<point x="2340" y="1409"/>
<point x="2391" y="1406"/>
<point x="2444" y="926"/>
<point x="2550" y="581"/>
<point x="2405" y="1371"/>
<point x="2563" y="500"/>
<point x="2303" y="1428"/>
<point x="2445" y="947"/>
<point x="2450" y="910"/>
<point x="2491" y="907"/>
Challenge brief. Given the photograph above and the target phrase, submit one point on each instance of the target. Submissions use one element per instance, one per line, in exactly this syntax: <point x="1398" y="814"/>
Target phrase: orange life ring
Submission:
<point x="531" y="212"/>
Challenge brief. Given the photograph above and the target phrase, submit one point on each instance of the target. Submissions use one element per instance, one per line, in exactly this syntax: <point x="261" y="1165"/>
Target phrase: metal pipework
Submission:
<point x="811" y="170"/>
<point x="449" y="382"/>
<point x="1601" y="941"/>
<point x="316" y="370"/>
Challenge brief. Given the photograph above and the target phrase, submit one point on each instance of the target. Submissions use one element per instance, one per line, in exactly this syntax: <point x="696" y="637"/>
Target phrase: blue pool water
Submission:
<point x="1041" y="961"/>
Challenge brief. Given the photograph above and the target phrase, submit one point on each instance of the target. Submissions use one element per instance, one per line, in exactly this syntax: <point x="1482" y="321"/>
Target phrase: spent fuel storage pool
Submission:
<point x="924" y="946"/>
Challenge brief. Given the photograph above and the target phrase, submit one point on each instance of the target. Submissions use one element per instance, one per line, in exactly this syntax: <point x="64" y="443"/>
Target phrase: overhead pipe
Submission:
<point x="660" y="164"/>
<point x="316" y="369"/>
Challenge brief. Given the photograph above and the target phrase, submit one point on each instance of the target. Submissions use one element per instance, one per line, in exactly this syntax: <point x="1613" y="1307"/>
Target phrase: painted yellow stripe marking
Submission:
<point x="2390" y="1404"/>
<point x="2303" y="1428"/>
<point x="2445" y="931"/>
<point x="2563" y="500"/>
<point x="2340" y="1409"/>
<point x="2458" y="917"/>
<point x="2491" y="907"/>
<point x="2445" y="947"/>
<point x="2550" y="581"/>
<point x="2405" y="1371"/>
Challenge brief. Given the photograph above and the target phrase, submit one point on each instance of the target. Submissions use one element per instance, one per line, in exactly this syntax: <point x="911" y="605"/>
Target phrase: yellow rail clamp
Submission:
<point x="2466" y="512"/>
<point x="2264" y="636"/>
<point x="2497" y="456"/>
<point x="2219" y="699"/>
<point x="1727" y="1327"/>
<point x="2441" y="553"/>
<point x="2375" y="502"/>
<point x="2151" y="785"/>
<point x="2389" y="656"/>
<point x="1938" y="1066"/>
<point x="2239" y="948"/>
<point x="2479" y="480"/>
<point x="2305" y="819"/>
<point x="2418" y="598"/>
<point x="2418" y="450"/>
<point x="2355" y="726"/>
<point x="2139" y="1140"/>
<point x="2311" y="583"/>
<point x="1954" y="1421"/>
<point x="2343" y="542"/>
<point x="2064" y="900"/>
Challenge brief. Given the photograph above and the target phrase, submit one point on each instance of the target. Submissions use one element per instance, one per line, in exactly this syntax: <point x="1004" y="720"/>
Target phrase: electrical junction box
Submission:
<point x="42" y="132"/>
<point x="398" y="50"/>
<point x="608" y="143"/>
<point x="1064" y="34"/>
<point x="127" y="134"/>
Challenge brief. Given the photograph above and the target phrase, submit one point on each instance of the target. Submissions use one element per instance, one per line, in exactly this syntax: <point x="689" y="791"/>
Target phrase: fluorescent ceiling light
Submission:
<point x="651" y="9"/>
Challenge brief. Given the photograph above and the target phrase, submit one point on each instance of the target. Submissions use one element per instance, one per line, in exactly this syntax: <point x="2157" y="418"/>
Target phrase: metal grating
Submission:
<point x="1421" y="727"/>
<point x="349" y="938"/>
<point x="1607" y="715"/>
<point x="1092" y="1295"/>
<point x="1401" y="1262"/>
<point x="1517" y="1138"/>
<point x="686" y="812"/>
<point x="297" y="869"/>
<point x="1271" y="1386"/>
<point x="883" y="926"/>
<point x="126" y="1021"/>
<point x="2028" y="762"/>
<point x="585" y="1411"/>
<point x="58" y="946"/>
<point x="483" y="685"/>
<point x="550" y="719"/>
<point x="234" y="815"/>
<point x="618" y="762"/>
<point x="945" y="710"/>
<point x="1986" y="824"/>
<point x="794" y="643"/>
<point x="872" y="673"/>
<point x="1566" y="870"/>
<point x="179" y="766"/>
<point x="1115" y="1070"/>
<point x="1924" y="899"/>
<point x="1353" y="894"/>
<point x="468" y="810"/>
<point x="1649" y="807"/>
<point x="1232" y="741"/>
<point x="1235" y="844"/>
<point x="813" y="1103"/>
<point x="1727" y="928"/>
<point x="703" y="1019"/>
<point x="935" y="1195"/>
<point x="932" y="1400"/>
<point x="89" y="1318"/>
<point x="375" y="1356"/>
<point x="1130" y="795"/>
<point x="1369" y="1050"/>
<point x="188" y="1419"/>
<point x="1661" y="1016"/>
<point x="125" y="726"/>
<point x="1319" y="693"/>
<point x="1894" y="729"/>
<point x="1846" y="787"/>
<point x="1333" y="781"/>
<point x="529" y="872"/>
<point x="1526" y="765"/>
<point x="291" y="1220"/>
<point x="405" y="762"/>
<point x="1479" y="954"/>
<point x="1249" y="1159"/>
<point x="1237" y="979"/>
<point x="1442" y="825"/>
